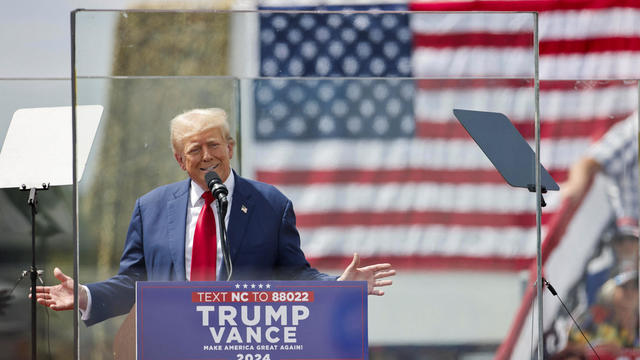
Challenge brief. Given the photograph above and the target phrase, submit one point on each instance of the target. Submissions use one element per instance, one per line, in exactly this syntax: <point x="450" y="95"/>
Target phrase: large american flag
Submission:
<point x="375" y="162"/>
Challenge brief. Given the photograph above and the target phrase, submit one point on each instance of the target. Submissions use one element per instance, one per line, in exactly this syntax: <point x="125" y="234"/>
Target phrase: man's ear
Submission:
<point x="180" y="161"/>
<point x="230" y="145"/>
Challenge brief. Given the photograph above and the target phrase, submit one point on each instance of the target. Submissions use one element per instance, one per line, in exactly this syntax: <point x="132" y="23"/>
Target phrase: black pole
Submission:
<point x="74" y="176"/>
<point x="33" y="203"/>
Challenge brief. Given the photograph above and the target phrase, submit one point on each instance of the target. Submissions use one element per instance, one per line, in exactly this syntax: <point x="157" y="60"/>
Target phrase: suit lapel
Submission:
<point x="241" y="212"/>
<point x="176" y="226"/>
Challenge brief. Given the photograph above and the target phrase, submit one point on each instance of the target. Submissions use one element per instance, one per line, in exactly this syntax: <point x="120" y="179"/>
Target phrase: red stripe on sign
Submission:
<point x="584" y="46"/>
<point x="523" y="5"/>
<point x="468" y="39"/>
<point x="409" y="175"/>
<point x="402" y="218"/>
<point x="430" y="262"/>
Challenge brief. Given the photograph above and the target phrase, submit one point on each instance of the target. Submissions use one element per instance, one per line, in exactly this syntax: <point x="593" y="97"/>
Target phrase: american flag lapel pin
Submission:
<point x="244" y="209"/>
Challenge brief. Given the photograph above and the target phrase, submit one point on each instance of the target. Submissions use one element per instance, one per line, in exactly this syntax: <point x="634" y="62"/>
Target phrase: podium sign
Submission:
<point x="251" y="320"/>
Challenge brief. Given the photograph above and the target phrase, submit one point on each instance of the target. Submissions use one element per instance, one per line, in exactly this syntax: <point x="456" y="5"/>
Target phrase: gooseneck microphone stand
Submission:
<point x="226" y="256"/>
<point x="33" y="271"/>
<point x="220" y="192"/>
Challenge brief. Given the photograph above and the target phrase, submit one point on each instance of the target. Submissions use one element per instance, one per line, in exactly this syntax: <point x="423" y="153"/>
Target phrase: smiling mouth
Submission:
<point x="210" y="168"/>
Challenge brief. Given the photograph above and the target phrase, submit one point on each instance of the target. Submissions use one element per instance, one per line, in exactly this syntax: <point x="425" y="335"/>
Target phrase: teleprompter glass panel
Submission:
<point x="131" y="156"/>
<point x="592" y="235"/>
<point x="349" y="115"/>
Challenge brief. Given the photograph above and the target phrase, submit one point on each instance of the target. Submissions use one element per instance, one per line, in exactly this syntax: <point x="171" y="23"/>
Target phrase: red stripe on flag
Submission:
<point x="572" y="128"/>
<point x="430" y="262"/>
<point x="523" y="5"/>
<point x="462" y="84"/>
<point x="408" y="175"/>
<point x="398" y="218"/>
<point x="525" y="40"/>
<point x="582" y="85"/>
<point x="545" y="85"/>
<point x="502" y="40"/>
<point x="549" y="129"/>
<point x="584" y="46"/>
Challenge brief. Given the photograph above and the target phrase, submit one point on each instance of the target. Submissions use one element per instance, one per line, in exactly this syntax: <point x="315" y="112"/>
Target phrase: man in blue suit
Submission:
<point x="263" y="239"/>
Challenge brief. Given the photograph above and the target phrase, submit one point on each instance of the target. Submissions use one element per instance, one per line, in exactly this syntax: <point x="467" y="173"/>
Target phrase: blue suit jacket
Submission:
<point x="264" y="243"/>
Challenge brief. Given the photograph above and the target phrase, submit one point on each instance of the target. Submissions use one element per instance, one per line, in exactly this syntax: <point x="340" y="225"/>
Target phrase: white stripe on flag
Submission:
<point x="397" y="154"/>
<point x="565" y="25"/>
<point x="419" y="240"/>
<point x="499" y="198"/>
<point x="456" y="23"/>
<point x="473" y="61"/>
<point x="607" y="65"/>
<point x="517" y="103"/>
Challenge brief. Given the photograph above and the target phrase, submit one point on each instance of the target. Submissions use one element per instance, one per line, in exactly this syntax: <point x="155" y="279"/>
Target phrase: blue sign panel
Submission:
<point x="251" y="320"/>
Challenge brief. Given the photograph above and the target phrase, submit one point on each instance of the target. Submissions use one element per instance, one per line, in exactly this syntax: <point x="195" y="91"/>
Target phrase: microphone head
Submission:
<point x="215" y="185"/>
<point x="211" y="178"/>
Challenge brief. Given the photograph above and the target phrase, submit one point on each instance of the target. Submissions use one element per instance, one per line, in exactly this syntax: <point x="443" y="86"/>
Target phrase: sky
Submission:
<point x="35" y="64"/>
<point x="35" y="38"/>
<point x="35" y="34"/>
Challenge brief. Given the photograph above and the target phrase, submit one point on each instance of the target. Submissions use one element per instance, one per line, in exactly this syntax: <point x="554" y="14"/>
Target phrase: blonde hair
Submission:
<point x="196" y="120"/>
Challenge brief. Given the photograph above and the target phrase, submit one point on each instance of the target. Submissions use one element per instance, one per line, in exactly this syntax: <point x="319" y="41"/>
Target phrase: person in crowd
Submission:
<point x="615" y="155"/>
<point x="612" y="322"/>
<point x="172" y="234"/>
<point x="619" y="252"/>
<point x="607" y="286"/>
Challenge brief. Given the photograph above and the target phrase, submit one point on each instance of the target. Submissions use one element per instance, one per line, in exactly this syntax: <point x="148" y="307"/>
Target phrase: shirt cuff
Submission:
<point x="86" y="312"/>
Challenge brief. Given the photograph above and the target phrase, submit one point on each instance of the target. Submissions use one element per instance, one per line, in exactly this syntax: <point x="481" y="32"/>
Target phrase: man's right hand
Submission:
<point x="60" y="297"/>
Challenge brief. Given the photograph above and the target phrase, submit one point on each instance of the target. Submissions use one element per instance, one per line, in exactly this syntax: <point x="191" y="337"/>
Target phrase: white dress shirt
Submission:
<point x="193" y="211"/>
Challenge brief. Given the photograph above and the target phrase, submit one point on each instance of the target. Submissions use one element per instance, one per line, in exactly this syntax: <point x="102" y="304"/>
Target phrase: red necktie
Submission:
<point x="204" y="252"/>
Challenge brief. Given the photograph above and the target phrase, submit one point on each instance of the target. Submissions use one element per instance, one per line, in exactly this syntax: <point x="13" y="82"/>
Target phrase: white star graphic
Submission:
<point x="268" y="286"/>
<point x="253" y="286"/>
<point x="237" y="286"/>
<point x="245" y="286"/>
<point x="260" y="286"/>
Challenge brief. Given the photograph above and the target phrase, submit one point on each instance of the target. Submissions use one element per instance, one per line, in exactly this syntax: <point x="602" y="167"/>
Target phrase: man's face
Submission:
<point x="205" y="151"/>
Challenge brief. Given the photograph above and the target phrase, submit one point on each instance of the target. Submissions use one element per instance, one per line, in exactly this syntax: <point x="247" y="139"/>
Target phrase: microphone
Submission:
<point x="220" y="192"/>
<point x="216" y="187"/>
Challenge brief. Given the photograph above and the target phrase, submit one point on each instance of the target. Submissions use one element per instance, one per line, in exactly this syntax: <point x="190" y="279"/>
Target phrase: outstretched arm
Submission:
<point x="60" y="297"/>
<point x="371" y="274"/>
<point x="580" y="175"/>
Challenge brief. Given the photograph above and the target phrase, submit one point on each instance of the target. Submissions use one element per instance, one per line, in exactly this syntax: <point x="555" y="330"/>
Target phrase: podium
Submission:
<point x="248" y="320"/>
